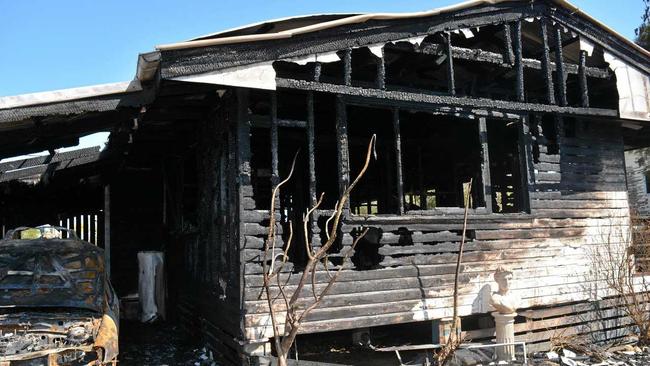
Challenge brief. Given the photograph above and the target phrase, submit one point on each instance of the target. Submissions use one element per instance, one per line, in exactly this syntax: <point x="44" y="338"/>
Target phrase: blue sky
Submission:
<point x="50" y="45"/>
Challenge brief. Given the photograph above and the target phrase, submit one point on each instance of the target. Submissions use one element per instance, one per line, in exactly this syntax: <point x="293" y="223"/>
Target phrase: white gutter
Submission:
<point x="377" y="16"/>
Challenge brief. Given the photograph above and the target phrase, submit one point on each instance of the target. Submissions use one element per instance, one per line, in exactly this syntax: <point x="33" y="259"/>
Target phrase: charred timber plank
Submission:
<point x="380" y="80"/>
<point x="408" y="99"/>
<point x="485" y="162"/>
<point x="479" y="55"/>
<point x="519" y="66"/>
<point x="547" y="69"/>
<point x="347" y="67"/>
<point x="582" y="77"/>
<point x="398" y="160"/>
<point x="509" y="56"/>
<point x="311" y="149"/>
<point x="560" y="72"/>
<point x="342" y="144"/>
<point x="451" y="82"/>
<point x="275" y="175"/>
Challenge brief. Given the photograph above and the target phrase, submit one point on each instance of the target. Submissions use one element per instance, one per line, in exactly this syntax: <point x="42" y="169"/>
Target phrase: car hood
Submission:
<point x="51" y="273"/>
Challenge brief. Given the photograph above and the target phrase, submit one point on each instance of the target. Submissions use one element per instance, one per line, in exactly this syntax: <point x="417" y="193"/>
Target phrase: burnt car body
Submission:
<point x="57" y="306"/>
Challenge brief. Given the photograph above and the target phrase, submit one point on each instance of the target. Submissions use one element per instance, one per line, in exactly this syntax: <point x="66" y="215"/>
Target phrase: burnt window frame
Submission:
<point x="524" y="144"/>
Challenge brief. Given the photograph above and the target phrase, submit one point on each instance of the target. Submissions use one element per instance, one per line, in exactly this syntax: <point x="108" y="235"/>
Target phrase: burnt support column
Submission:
<point x="275" y="175"/>
<point x="485" y="164"/>
<point x="311" y="150"/>
<point x="347" y="67"/>
<point x="584" y="92"/>
<point x="342" y="145"/>
<point x="546" y="63"/>
<point x="381" y="71"/>
<point x="559" y="65"/>
<point x="509" y="56"/>
<point x="317" y="71"/>
<point x="519" y="65"/>
<point x="398" y="161"/>
<point x="107" y="230"/>
<point x="451" y="81"/>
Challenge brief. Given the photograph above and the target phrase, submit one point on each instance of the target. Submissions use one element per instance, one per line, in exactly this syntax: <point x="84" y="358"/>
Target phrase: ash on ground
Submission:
<point x="159" y="344"/>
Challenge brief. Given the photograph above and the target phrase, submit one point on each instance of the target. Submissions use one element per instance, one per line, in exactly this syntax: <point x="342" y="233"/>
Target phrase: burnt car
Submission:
<point x="57" y="306"/>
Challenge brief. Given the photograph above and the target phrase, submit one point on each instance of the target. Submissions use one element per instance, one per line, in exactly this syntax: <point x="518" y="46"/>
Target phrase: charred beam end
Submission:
<point x="479" y="55"/>
<point x="347" y="67"/>
<point x="398" y="161"/>
<point x="546" y="63"/>
<point x="451" y="82"/>
<point x="381" y="71"/>
<point x="519" y="66"/>
<point x="311" y="149"/>
<point x="559" y="61"/>
<point x="584" y="92"/>
<point x="509" y="56"/>
<point x="408" y="99"/>
<point x="275" y="174"/>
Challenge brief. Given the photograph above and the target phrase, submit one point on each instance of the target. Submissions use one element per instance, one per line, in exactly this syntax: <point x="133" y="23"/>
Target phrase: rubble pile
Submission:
<point x="627" y="355"/>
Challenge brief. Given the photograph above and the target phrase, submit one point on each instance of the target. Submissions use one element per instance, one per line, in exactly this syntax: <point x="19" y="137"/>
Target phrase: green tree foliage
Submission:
<point x="643" y="32"/>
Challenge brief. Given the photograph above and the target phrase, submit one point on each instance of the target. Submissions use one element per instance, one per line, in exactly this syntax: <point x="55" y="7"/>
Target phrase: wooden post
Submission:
<point x="381" y="71"/>
<point x="347" y="67"/>
<point x="107" y="230"/>
<point x="559" y="65"/>
<point x="546" y="63"/>
<point x="311" y="149"/>
<point x="509" y="56"/>
<point x="342" y="145"/>
<point x="526" y="164"/>
<point x="519" y="65"/>
<point x="398" y="161"/>
<point x="451" y="81"/>
<point x="275" y="174"/>
<point x="317" y="71"/>
<point x="582" y="76"/>
<point x="485" y="163"/>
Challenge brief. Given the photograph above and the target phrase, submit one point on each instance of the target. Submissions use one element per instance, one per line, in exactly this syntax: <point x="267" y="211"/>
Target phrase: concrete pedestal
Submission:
<point x="505" y="333"/>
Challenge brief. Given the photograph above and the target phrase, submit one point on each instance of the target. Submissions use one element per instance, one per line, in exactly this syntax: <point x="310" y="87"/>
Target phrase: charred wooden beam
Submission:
<point x="451" y="82"/>
<point x="260" y="121"/>
<point x="318" y="68"/>
<point x="380" y="81"/>
<point x="347" y="67"/>
<point x="310" y="149"/>
<point x="479" y="55"/>
<point x="342" y="144"/>
<point x="509" y="56"/>
<point x="485" y="163"/>
<point x="559" y="61"/>
<point x="546" y="63"/>
<point x="526" y="166"/>
<point x="519" y="66"/>
<point x="409" y="99"/>
<point x="275" y="174"/>
<point x="584" y="92"/>
<point x="398" y="161"/>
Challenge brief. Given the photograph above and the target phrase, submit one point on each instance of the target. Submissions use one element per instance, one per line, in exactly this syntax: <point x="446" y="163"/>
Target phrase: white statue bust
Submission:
<point x="503" y="300"/>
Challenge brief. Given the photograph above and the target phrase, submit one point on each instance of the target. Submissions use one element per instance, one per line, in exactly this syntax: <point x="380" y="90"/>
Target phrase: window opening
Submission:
<point x="505" y="166"/>
<point x="439" y="154"/>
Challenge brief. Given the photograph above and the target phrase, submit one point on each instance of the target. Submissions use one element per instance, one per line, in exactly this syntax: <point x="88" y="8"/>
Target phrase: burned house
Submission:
<point x="534" y="101"/>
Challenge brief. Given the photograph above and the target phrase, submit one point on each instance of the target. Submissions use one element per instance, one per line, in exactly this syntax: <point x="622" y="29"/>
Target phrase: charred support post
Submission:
<point x="559" y="64"/>
<point x="347" y="67"/>
<point x="342" y="145"/>
<point x="275" y="175"/>
<point x="317" y="71"/>
<point x="509" y="56"/>
<point x="546" y="63"/>
<point x="519" y="66"/>
<point x="451" y="82"/>
<point x="398" y="161"/>
<point x="381" y="71"/>
<point x="485" y="163"/>
<point x="582" y="76"/>
<point x="526" y="166"/>
<point x="311" y="149"/>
